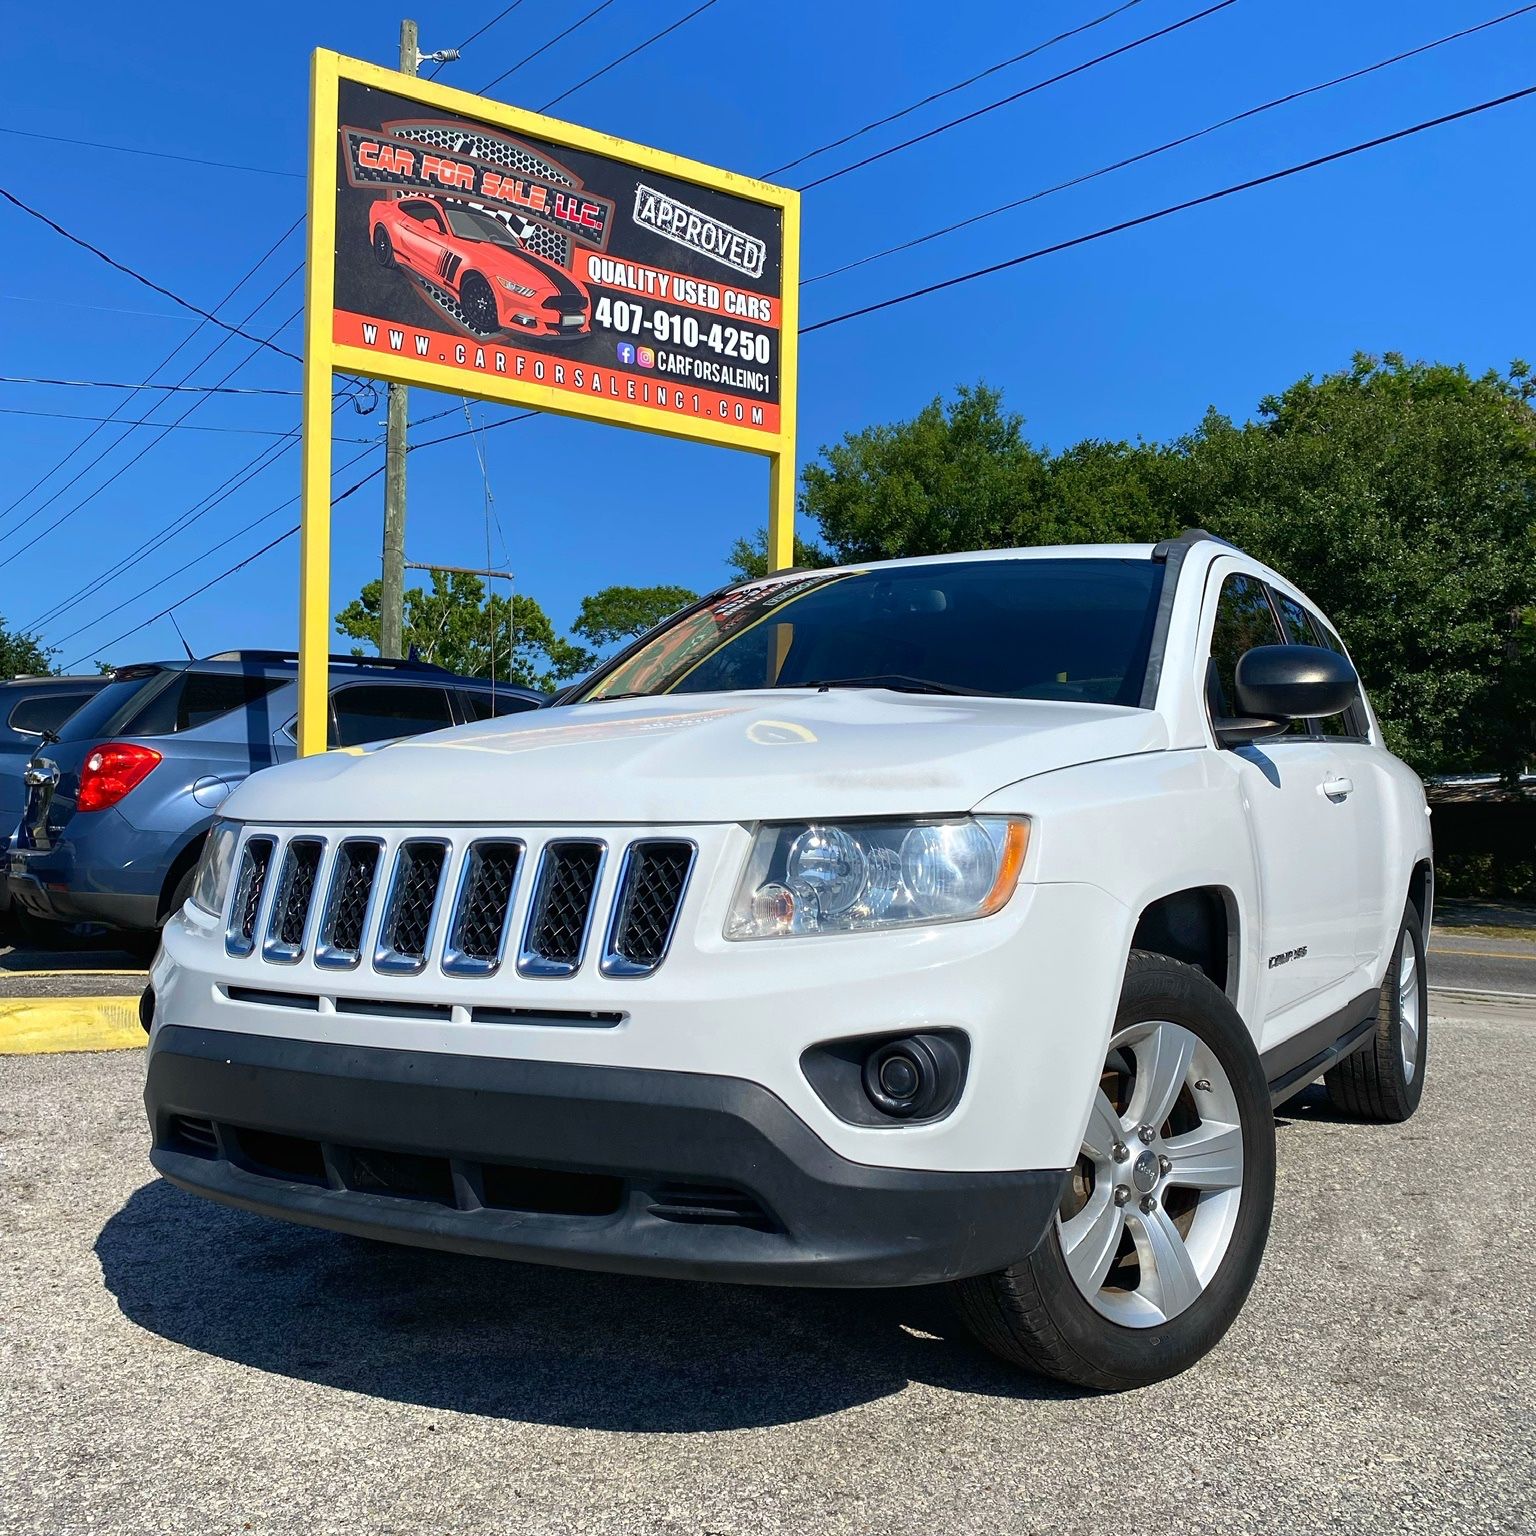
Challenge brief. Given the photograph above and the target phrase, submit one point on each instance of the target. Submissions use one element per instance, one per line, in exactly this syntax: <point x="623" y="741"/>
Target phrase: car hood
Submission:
<point x="767" y="755"/>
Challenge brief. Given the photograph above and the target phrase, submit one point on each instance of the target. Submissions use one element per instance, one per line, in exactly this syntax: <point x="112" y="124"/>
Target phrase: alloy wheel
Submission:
<point x="1149" y="1211"/>
<point x="1408" y="1015"/>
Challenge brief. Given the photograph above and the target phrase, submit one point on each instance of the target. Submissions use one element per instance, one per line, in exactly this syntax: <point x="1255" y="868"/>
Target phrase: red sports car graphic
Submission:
<point x="498" y="283"/>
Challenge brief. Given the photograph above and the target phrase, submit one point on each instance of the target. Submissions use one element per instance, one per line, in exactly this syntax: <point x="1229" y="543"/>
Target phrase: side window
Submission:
<point x="481" y="706"/>
<point x="378" y="711"/>
<point x="45" y="712"/>
<point x="1353" y="722"/>
<point x="1244" y="619"/>
<point x="195" y="698"/>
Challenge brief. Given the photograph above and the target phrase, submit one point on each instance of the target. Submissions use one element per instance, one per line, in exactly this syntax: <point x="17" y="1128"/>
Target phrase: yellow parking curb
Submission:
<point x="34" y="1026"/>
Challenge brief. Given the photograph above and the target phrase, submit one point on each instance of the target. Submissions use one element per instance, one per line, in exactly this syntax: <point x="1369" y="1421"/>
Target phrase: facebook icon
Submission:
<point x="627" y="354"/>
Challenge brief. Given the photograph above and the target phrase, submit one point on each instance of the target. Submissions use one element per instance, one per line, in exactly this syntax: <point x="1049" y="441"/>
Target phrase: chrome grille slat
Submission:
<point x="344" y="924"/>
<point x="483" y="908"/>
<point x="645" y="910"/>
<point x="292" y="898"/>
<point x="560" y="914"/>
<point x="250" y="883"/>
<point x="410" y="908"/>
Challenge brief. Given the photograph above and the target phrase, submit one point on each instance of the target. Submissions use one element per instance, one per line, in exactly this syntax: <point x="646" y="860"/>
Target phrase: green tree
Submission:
<point x="458" y="627"/>
<point x="22" y="654"/>
<point x="1400" y="496"/>
<point x="748" y="558"/>
<point x="621" y="613"/>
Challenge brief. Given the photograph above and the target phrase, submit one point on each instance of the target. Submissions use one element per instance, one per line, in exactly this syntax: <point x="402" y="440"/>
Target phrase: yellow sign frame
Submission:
<point x="324" y="357"/>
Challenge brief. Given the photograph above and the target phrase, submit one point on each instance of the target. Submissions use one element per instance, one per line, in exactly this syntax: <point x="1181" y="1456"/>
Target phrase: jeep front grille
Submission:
<point x="340" y="940"/>
<point x="240" y="936"/>
<point x="464" y="905"/>
<point x="646" y="908"/>
<point x="561" y="911"/>
<point x="408" y="910"/>
<point x="484" y="904"/>
<point x="290" y="903"/>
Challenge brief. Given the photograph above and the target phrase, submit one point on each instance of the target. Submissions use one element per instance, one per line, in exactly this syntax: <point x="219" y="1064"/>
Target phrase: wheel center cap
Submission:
<point x="1145" y="1171"/>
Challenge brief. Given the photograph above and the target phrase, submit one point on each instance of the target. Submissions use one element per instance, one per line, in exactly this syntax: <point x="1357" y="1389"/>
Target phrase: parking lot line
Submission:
<point x="35" y="1026"/>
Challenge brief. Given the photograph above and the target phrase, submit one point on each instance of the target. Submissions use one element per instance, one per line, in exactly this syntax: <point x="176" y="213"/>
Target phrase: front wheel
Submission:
<point x="383" y="248"/>
<point x="1164" y="1217"/>
<point x="478" y="304"/>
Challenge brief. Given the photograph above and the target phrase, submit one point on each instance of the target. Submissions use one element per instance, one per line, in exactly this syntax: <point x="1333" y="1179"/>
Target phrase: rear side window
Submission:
<point x="1244" y="619"/>
<point x="377" y="711"/>
<point x="45" y="712"/>
<point x="1353" y="723"/>
<point x="102" y="715"/>
<point x="194" y="699"/>
<point x="482" y="706"/>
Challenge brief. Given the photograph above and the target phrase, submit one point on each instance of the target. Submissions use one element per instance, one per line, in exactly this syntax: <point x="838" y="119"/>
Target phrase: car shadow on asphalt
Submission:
<point x="523" y="1342"/>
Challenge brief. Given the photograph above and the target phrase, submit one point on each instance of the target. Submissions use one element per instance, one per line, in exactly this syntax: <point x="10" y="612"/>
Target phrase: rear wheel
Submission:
<point x="1385" y="1080"/>
<point x="1163" y="1220"/>
<point x="478" y="304"/>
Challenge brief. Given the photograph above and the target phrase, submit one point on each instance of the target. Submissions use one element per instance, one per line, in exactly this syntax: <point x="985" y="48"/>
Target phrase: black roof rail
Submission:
<point x="1188" y="537"/>
<point x="388" y="663"/>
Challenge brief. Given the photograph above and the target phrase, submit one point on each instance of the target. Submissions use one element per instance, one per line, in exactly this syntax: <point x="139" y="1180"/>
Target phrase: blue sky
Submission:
<point x="1421" y="247"/>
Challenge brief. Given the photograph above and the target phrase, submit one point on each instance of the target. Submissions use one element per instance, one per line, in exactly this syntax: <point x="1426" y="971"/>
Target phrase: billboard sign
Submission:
<point x="518" y="264"/>
<point x="475" y="248"/>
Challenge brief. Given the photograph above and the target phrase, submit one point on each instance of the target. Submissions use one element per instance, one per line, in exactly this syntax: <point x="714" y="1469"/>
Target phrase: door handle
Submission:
<point x="1337" y="788"/>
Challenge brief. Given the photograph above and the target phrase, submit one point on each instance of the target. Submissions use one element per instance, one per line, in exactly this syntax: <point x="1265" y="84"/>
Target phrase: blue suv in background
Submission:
<point x="119" y="798"/>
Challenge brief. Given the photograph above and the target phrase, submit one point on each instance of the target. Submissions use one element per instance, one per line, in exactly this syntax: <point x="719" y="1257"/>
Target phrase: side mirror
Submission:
<point x="1276" y="684"/>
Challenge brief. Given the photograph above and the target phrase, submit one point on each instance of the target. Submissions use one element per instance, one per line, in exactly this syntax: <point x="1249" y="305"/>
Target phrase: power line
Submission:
<point x="148" y="447"/>
<point x="1163" y="213"/>
<point x="504" y="12"/>
<point x="236" y="481"/>
<point x="153" y="154"/>
<point x="559" y="36"/>
<point x="266" y="516"/>
<point x="949" y="90"/>
<point x="1029" y="90"/>
<point x="138" y="277"/>
<point x="170" y="426"/>
<point x="164" y="362"/>
<point x="1147" y="154"/>
<point x="373" y="474"/>
<point x="655" y="37"/>
<point x="171" y="389"/>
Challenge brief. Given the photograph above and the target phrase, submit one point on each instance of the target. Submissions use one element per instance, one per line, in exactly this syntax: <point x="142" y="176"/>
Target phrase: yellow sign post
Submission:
<point x="472" y="247"/>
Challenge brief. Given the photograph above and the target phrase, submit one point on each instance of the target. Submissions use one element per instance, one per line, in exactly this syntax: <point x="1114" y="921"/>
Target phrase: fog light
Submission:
<point x="914" y="1078"/>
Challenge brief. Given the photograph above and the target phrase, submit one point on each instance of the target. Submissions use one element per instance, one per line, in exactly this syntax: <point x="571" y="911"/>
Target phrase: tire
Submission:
<point x="383" y="248"/>
<point x="181" y="895"/>
<point x="1384" y="1081"/>
<point x="1177" y="1042"/>
<point x="477" y="303"/>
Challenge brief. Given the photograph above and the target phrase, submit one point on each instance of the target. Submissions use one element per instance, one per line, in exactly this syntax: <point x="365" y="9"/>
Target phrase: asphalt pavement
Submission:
<point x="170" y="1366"/>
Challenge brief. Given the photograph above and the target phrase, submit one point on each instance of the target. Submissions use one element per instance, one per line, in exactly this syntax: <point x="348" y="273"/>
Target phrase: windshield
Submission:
<point x="1072" y="629"/>
<point x="479" y="226"/>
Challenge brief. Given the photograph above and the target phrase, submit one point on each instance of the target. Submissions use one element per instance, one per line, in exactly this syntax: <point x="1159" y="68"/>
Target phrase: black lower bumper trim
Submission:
<point x="610" y="1168"/>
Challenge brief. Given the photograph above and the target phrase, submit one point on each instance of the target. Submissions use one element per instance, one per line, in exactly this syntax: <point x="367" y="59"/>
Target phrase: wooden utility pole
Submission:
<point x="392" y="580"/>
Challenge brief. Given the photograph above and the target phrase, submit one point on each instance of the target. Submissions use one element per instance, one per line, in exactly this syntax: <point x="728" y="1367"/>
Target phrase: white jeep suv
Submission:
<point x="954" y="919"/>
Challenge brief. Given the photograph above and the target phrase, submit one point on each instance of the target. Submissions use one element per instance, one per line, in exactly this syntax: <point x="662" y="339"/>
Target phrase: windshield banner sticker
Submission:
<point x="463" y="244"/>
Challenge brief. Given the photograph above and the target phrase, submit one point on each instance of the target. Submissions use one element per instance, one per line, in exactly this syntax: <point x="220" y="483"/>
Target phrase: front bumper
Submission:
<point x="612" y="1168"/>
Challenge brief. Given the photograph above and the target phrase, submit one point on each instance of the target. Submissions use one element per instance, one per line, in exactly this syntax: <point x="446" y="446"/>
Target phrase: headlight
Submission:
<point x="842" y="877"/>
<point x="511" y="287"/>
<point x="210" y="885"/>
